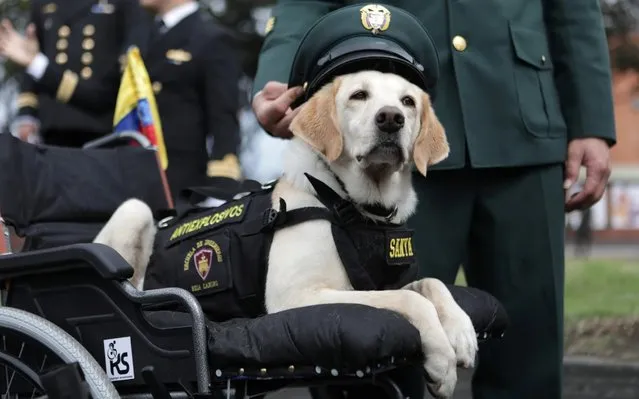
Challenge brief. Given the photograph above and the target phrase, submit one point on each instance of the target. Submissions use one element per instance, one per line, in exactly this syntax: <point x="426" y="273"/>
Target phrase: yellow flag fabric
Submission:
<point x="136" y="108"/>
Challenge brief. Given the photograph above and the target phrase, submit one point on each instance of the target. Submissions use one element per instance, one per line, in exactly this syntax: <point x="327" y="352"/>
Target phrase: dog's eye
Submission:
<point x="408" y="101"/>
<point x="359" y="95"/>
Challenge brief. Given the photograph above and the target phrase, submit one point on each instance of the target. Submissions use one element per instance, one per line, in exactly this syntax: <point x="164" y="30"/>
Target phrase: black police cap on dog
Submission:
<point x="356" y="38"/>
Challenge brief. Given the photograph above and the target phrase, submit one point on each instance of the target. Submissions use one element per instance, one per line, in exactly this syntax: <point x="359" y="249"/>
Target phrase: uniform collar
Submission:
<point x="177" y="14"/>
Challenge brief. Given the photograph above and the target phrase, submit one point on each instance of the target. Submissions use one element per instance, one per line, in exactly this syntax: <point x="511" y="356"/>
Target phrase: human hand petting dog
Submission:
<point x="16" y="47"/>
<point x="272" y="107"/>
<point x="594" y="154"/>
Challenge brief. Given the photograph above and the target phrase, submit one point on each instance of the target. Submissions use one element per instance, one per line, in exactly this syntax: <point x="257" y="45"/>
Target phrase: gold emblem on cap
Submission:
<point x="64" y="31"/>
<point x="375" y="18"/>
<point x="270" y="24"/>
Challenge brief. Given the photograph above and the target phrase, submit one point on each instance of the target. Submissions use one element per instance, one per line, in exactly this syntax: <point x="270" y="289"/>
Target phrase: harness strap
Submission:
<point x="272" y="219"/>
<point x="343" y="210"/>
<point x="340" y="205"/>
<point x="222" y="188"/>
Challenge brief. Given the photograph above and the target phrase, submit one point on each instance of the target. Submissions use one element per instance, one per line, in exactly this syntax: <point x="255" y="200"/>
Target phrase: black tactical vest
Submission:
<point x="220" y="254"/>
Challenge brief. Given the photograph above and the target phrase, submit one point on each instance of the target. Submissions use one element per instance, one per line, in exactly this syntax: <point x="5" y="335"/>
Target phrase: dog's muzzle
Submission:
<point x="386" y="151"/>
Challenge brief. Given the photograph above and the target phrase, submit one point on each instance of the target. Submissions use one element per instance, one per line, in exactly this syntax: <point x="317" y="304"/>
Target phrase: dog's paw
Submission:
<point x="461" y="335"/>
<point x="441" y="374"/>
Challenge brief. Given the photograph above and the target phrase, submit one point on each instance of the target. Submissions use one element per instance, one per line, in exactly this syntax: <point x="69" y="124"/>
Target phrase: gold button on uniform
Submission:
<point x="64" y="31"/>
<point x="61" y="58"/>
<point x="62" y="44"/>
<point x="157" y="87"/>
<point x="88" y="30"/>
<point x="88" y="44"/>
<point x="86" y="73"/>
<point x="87" y="58"/>
<point x="459" y="43"/>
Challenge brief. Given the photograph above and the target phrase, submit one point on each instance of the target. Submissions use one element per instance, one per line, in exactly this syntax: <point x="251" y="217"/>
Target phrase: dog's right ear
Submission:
<point x="431" y="145"/>
<point x="316" y="123"/>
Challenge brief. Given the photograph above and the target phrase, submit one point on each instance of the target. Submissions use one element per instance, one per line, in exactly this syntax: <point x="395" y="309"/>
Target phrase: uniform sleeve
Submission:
<point x="222" y="72"/>
<point x="28" y="97"/>
<point x="66" y="87"/>
<point x="579" y="52"/>
<point x="290" y="19"/>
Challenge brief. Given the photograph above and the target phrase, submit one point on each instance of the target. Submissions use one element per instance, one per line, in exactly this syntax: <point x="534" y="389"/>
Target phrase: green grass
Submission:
<point x="596" y="288"/>
<point x="601" y="288"/>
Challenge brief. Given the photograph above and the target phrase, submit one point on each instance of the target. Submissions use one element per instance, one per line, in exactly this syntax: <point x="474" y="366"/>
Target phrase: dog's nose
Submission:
<point x="389" y="119"/>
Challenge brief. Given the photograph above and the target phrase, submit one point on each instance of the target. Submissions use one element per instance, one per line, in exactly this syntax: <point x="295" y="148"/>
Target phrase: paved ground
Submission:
<point x="584" y="378"/>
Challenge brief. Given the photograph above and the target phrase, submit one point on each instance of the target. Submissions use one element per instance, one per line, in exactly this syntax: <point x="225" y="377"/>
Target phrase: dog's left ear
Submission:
<point x="316" y="123"/>
<point x="431" y="145"/>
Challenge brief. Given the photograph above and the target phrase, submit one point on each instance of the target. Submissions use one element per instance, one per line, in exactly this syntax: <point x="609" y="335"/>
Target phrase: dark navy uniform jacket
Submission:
<point x="83" y="40"/>
<point x="195" y="75"/>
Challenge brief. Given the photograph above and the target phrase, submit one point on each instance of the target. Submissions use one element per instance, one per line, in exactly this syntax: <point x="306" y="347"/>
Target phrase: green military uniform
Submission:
<point x="517" y="80"/>
<point x="83" y="41"/>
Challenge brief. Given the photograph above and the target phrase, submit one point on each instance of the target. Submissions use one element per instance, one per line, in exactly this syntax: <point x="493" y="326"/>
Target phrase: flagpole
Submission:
<point x="165" y="182"/>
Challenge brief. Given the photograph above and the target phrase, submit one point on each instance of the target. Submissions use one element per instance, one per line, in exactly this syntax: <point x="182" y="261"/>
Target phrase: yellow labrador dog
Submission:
<point x="365" y="129"/>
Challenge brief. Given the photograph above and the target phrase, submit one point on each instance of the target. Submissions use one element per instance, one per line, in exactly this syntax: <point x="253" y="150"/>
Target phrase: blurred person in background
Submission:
<point x="70" y="52"/>
<point x="195" y="74"/>
<point x="583" y="235"/>
<point x="260" y="153"/>
<point x="524" y="94"/>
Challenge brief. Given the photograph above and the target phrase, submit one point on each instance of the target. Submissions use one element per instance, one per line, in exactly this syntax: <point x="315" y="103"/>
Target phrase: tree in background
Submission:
<point x="621" y="18"/>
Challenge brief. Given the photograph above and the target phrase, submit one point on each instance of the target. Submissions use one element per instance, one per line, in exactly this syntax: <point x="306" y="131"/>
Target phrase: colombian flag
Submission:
<point x="135" y="108"/>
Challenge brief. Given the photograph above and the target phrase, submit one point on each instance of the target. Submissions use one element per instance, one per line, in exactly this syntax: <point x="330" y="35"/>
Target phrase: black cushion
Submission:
<point x="344" y="337"/>
<point x="340" y="336"/>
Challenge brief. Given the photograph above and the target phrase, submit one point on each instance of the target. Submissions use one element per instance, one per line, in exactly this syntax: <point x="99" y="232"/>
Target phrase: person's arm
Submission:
<point x="290" y="19"/>
<point x="222" y="72"/>
<point x="579" y="52"/>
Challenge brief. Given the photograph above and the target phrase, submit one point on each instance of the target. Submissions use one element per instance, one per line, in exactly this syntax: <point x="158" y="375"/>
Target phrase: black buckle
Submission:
<point x="272" y="218"/>
<point x="269" y="217"/>
<point x="345" y="212"/>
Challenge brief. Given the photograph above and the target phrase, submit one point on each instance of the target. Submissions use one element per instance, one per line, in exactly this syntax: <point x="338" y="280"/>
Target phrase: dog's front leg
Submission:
<point x="440" y="358"/>
<point x="131" y="232"/>
<point x="458" y="326"/>
<point x="304" y="272"/>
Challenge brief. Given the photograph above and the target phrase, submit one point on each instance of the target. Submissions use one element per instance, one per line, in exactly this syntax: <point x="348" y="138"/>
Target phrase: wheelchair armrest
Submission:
<point x="104" y="259"/>
<point x="119" y="139"/>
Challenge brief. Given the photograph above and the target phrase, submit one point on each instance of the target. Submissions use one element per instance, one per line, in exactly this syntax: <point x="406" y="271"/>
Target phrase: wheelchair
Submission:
<point x="73" y="326"/>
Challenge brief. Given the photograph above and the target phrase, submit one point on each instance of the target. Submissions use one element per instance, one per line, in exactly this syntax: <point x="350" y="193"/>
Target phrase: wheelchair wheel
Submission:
<point x="30" y="344"/>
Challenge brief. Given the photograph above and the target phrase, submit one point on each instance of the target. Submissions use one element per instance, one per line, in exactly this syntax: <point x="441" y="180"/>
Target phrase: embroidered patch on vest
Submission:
<point x="206" y="266"/>
<point x="399" y="247"/>
<point x="233" y="212"/>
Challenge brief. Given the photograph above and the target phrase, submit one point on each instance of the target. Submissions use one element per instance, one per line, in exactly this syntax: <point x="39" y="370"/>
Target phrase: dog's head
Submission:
<point x="379" y="121"/>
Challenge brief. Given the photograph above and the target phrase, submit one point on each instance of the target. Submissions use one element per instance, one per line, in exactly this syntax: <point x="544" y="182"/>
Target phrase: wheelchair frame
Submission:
<point x="111" y="272"/>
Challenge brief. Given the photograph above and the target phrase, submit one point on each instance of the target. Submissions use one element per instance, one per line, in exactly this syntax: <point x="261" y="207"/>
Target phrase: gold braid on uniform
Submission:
<point x="229" y="166"/>
<point x="67" y="86"/>
<point x="27" y="100"/>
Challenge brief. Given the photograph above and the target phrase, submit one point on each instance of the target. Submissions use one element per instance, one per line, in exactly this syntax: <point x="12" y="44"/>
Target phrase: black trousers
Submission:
<point x="506" y="227"/>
